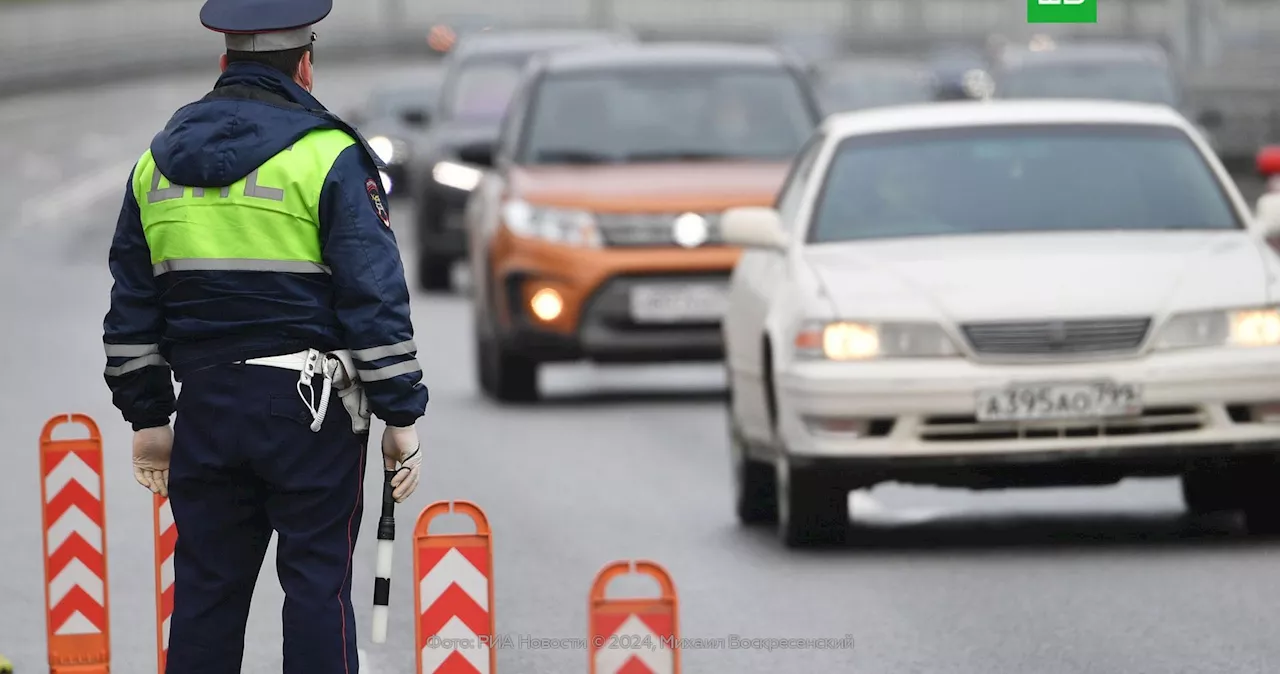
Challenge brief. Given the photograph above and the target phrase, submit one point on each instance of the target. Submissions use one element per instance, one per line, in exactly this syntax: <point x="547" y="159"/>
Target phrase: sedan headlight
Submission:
<point x="384" y="147"/>
<point x="849" y="340"/>
<point x="556" y="225"/>
<point x="455" y="175"/>
<point x="1240" y="327"/>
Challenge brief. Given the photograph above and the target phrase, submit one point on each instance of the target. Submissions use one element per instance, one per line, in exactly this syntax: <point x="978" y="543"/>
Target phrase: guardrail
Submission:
<point x="59" y="43"/>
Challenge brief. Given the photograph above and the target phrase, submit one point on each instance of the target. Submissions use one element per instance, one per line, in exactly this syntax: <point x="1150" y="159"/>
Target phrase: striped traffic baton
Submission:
<point x="386" y="546"/>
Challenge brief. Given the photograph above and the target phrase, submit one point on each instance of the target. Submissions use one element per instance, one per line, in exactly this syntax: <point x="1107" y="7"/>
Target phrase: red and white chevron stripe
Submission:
<point x="453" y="596"/>
<point x="634" y="635"/>
<point x="633" y="644"/>
<point x="166" y="540"/>
<point x="75" y="542"/>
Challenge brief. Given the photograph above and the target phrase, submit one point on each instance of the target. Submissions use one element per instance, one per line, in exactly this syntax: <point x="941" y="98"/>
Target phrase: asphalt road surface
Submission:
<point x="617" y="464"/>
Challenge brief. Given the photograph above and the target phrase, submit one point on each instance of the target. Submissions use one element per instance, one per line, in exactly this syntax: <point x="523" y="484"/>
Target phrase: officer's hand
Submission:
<point x="400" y="448"/>
<point x="151" y="450"/>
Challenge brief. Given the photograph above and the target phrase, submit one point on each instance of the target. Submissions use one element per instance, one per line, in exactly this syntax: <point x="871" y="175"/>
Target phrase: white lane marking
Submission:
<point x="78" y="196"/>
<point x="365" y="667"/>
<point x="41" y="168"/>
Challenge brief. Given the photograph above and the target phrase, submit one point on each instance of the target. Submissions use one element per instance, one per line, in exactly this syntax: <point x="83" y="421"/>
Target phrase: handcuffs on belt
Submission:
<point x="339" y="372"/>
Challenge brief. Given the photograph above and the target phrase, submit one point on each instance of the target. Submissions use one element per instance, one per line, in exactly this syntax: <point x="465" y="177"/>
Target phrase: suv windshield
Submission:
<point x="1143" y="83"/>
<point x="1018" y="179"/>
<point x="667" y="114"/>
<point x="483" y="87"/>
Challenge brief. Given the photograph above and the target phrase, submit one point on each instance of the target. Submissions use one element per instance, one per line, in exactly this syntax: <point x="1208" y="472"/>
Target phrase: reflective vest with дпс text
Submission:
<point x="266" y="221"/>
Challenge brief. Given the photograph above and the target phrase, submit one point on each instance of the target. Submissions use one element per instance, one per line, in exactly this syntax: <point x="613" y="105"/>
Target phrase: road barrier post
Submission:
<point x="633" y="635"/>
<point x="165" y="535"/>
<point x="453" y="594"/>
<point x="77" y="607"/>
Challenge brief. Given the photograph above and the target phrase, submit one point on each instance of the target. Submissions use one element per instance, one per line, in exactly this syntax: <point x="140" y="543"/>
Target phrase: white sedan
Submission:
<point x="1002" y="294"/>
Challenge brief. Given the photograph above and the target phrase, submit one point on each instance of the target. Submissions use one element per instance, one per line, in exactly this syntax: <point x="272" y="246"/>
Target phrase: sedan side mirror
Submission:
<point x="477" y="154"/>
<point x="753" y="227"/>
<point x="416" y="117"/>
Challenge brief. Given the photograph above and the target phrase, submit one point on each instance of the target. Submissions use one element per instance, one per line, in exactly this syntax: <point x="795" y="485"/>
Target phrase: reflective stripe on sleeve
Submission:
<point x="136" y="364"/>
<point x="237" y="264"/>
<point x="130" y="350"/>
<point x="405" y="348"/>
<point x="390" y="371"/>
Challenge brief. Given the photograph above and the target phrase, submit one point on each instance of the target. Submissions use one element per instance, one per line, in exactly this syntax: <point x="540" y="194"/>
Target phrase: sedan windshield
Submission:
<point x="668" y="115"/>
<point x="482" y="89"/>
<point x="1140" y="83"/>
<point x="1018" y="179"/>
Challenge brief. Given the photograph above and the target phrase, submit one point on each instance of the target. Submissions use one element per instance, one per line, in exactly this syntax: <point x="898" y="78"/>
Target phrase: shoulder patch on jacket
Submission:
<point x="375" y="197"/>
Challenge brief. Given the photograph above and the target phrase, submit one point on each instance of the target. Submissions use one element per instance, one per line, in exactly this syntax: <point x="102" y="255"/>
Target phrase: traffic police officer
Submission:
<point x="253" y="258"/>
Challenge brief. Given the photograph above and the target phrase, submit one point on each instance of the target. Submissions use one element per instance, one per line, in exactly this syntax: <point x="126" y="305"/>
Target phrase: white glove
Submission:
<point x="152" y="448"/>
<point x="400" y="446"/>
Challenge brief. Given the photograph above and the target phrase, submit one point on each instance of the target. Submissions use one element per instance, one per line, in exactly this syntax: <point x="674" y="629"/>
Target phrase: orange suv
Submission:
<point x="594" y="234"/>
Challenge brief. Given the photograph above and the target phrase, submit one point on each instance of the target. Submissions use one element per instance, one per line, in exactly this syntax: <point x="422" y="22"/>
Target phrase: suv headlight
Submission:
<point x="1238" y="327"/>
<point x="858" y="340"/>
<point x="455" y="175"/>
<point x="556" y="225"/>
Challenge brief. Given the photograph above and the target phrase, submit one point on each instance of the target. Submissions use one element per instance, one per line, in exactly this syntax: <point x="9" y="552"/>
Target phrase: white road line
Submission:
<point x="78" y="196"/>
<point x="365" y="667"/>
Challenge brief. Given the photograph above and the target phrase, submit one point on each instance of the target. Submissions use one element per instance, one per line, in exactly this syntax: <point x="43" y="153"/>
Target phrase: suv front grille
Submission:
<point x="1104" y="335"/>
<point x="649" y="229"/>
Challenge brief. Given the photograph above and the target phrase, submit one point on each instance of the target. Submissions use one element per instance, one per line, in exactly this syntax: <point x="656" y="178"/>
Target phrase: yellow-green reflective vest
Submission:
<point x="267" y="221"/>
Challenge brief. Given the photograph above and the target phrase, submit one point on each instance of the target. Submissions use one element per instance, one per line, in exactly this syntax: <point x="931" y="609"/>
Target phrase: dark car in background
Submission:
<point x="871" y="81"/>
<point x="480" y="75"/>
<point x="392" y="120"/>
<point x="1107" y="71"/>
<point x="1125" y="71"/>
<point x="960" y="73"/>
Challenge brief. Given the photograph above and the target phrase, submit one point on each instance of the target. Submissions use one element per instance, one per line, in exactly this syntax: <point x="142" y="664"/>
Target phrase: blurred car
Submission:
<point x="808" y="47"/>
<point x="859" y="83"/>
<point x="447" y="33"/>
<point x="391" y="120"/>
<point x="479" y="79"/>
<point x="960" y="73"/>
<point x="1099" y="70"/>
<point x="1014" y="294"/>
<point x="1268" y="165"/>
<point x="596" y="237"/>
<point x="1267" y="210"/>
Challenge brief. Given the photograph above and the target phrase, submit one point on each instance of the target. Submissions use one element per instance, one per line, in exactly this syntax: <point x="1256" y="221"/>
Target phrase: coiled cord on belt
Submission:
<point x="316" y="363"/>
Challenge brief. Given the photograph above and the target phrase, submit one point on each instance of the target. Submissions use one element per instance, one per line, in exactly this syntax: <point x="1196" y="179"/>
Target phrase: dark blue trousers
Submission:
<point x="245" y="463"/>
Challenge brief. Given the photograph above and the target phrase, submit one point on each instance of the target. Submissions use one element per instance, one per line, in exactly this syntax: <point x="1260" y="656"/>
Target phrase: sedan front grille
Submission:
<point x="650" y="229"/>
<point x="1089" y="336"/>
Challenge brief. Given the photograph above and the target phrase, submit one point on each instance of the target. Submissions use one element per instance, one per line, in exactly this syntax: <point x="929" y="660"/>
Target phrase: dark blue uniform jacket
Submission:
<point x="193" y="319"/>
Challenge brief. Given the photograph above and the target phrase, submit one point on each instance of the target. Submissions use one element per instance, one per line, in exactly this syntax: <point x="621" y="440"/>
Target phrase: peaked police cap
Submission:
<point x="264" y="25"/>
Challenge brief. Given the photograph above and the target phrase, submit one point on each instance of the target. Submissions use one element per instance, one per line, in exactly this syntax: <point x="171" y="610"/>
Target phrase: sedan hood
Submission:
<point x="1036" y="276"/>
<point x="693" y="186"/>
